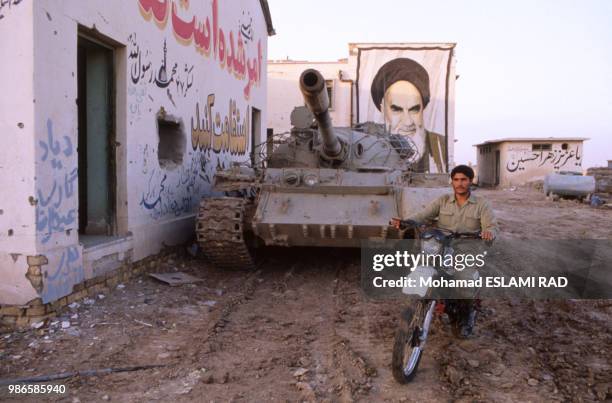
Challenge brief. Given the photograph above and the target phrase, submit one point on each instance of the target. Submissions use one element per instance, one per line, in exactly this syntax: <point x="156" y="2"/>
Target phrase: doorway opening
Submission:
<point x="497" y="167"/>
<point x="255" y="135"/>
<point x="96" y="139"/>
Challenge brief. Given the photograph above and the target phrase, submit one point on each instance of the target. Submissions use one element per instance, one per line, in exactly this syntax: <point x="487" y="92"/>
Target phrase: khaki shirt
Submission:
<point x="476" y="214"/>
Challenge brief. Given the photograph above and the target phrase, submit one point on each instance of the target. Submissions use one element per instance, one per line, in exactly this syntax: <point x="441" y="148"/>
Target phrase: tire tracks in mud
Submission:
<point x="200" y="337"/>
<point x="350" y="352"/>
<point x="221" y="317"/>
<point x="284" y="342"/>
<point x="350" y="374"/>
<point x="367" y="327"/>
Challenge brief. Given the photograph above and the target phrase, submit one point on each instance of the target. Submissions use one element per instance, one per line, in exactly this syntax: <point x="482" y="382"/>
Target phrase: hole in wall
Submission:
<point x="172" y="141"/>
<point x="10" y="232"/>
<point x="564" y="146"/>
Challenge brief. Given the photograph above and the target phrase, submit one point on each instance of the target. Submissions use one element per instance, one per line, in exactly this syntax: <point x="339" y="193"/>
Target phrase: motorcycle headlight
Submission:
<point x="431" y="246"/>
<point x="310" y="180"/>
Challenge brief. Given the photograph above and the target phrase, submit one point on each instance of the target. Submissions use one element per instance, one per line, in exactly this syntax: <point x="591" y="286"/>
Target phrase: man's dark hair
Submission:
<point x="463" y="169"/>
<point x="400" y="69"/>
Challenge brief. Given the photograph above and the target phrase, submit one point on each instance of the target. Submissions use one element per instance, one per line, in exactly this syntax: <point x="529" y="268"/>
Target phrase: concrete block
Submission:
<point x="54" y="306"/>
<point x="35" y="302"/>
<point x="62" y="302"/>
<point x="36" y="311"/>
<point x="78" y="287"/>
<point x="93" y="281"/>
<point x="8" y="320"/>
<point x="11" y="311"/>
<point x="71" y="298"/>
<point x="101" y="288"/>
<point x="39" y="260"/>
<point x="80" y="295"/>
<point x="22" y="321"/>
<point x="113" y="281"/>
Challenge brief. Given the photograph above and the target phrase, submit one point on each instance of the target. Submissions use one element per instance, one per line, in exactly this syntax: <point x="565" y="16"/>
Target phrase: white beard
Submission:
<point x="418" y="138"/>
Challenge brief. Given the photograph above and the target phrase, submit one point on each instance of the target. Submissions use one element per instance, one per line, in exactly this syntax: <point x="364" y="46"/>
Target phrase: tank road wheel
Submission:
<point x="220" y="232"/>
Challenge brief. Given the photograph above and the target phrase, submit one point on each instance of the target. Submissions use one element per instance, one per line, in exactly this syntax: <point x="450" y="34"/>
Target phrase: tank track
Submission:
<point x="220" y="232"/>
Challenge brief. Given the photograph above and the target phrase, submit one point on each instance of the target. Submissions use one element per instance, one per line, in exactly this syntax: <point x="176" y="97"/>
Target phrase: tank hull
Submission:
<point x="340" y="211"/>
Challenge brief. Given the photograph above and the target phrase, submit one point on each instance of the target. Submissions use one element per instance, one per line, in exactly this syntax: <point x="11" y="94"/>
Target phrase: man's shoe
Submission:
<point x="468" y="323"/>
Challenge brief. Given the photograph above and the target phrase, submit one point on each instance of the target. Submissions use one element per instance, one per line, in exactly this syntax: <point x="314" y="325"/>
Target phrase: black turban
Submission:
<point x="401" y="69"/>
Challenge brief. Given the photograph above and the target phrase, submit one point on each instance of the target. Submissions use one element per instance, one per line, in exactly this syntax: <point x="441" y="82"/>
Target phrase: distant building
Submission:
<point x="515" y="161"/>
<point x="284" y="93"/>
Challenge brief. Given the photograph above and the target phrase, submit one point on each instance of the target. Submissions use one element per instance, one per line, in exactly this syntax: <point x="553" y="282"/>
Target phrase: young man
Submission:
<point x="461" y="211"/>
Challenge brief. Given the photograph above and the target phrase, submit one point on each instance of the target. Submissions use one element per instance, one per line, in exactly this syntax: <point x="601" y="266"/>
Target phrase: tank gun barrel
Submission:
<point x="312" y="85"/>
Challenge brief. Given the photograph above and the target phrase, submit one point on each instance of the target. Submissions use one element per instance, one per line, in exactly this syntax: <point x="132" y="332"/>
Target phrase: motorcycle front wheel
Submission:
<point x="407" y="344"/>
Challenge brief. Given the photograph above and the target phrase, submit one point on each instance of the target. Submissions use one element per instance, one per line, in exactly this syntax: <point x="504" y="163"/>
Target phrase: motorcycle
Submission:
<point x="415" y="322"/>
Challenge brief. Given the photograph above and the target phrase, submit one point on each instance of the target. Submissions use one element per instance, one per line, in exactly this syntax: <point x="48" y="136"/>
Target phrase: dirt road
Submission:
<point x="300" y="328"/>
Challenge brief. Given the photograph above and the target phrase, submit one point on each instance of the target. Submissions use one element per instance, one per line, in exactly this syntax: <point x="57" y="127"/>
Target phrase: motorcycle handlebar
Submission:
<point x="403" y="224"/>
<point x="475" y="235"/>
<point x="407" y="224"/>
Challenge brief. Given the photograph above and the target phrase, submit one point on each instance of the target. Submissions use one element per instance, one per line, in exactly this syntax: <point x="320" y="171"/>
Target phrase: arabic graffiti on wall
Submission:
<point x="163" y="197"/>
<point x="56" y="206"/>
<point x="212" y="132"/>
<point x="7" y="4"/>
<point x="137" y="95"/>
<point x="562" y="157"/>
<point x="205" y="33"/>
<point x="246" y="29"/>
<point x="179" y="77"/>
<point x="61" y="278"/>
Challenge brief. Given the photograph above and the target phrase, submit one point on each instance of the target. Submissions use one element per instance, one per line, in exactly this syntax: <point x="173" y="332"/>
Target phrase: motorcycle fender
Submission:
<point x="417" y="279"/>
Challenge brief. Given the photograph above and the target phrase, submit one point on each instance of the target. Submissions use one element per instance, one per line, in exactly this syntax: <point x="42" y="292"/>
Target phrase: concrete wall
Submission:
<point x="208" y="86"/>
<point x="17" y="167"/>
<point x="520" y="163"/>
<point x="284" y="93"/>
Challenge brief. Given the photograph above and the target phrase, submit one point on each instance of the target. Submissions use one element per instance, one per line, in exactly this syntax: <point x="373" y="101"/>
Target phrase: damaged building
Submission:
<point x="115" y="116"/>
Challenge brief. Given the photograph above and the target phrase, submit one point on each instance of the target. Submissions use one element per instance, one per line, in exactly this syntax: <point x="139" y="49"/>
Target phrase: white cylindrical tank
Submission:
<point x="569" y="184"/>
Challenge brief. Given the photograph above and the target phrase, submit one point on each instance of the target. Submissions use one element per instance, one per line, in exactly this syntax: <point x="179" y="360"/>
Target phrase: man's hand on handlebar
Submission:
<point x="400" y="224"/>
<point x="487" y="235"/>
<point x="396" y="222"/>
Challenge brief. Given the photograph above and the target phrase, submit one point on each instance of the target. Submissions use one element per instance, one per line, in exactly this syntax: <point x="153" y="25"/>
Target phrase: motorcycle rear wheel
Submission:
<point x="406" y="346"/>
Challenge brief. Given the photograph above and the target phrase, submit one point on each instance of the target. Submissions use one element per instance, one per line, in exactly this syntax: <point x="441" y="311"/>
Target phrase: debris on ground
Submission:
<point x="175" y="279"/>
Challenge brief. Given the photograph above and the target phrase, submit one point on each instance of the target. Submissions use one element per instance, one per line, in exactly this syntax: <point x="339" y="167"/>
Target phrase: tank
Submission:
<point x="321" y="186"/>
<point x="569" y="184"/>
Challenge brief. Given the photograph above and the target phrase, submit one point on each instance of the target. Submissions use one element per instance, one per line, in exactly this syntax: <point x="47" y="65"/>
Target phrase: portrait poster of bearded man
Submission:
<point x="401" y="92"/>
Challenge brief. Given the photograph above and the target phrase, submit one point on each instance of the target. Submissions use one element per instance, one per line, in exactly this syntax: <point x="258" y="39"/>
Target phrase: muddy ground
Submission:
<point x="300" y="328"/>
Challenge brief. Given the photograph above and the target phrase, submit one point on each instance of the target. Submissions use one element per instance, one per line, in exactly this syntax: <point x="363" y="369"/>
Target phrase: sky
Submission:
<point x="527" y="68"/>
